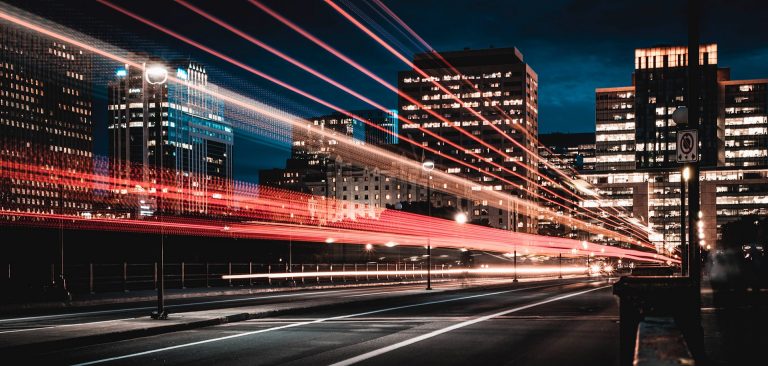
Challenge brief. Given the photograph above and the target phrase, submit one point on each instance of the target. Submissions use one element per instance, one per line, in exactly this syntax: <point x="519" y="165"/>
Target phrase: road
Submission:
<point x="30" y="321"/>
<point x="523" y="324"/>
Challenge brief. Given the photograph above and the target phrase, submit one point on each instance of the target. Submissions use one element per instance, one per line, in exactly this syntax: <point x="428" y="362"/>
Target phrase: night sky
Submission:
<point x="575" y="46"/>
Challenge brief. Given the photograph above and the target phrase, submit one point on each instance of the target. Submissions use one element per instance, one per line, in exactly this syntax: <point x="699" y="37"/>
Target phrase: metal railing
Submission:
<point x="114" y="277"/>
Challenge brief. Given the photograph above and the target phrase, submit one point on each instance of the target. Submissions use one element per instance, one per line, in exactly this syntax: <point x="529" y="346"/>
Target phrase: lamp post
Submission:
<point x="428" y="166"/>
<point x="155" y="77"/>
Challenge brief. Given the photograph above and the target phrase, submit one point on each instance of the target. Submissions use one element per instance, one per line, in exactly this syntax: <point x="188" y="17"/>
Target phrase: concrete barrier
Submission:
<point x="660" y="343"/>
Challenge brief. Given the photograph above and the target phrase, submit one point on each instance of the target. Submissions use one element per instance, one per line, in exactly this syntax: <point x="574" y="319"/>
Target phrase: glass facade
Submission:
<point x="745" y="115"/>
<point x="654" y="198"/>
<point x="173" y="119"/>
<point x="615" y="128"/>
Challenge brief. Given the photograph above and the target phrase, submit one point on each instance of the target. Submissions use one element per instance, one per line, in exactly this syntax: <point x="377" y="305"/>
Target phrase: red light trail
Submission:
<point x="449" y="93"/>
<point x="389" y="86"/>
<point x="298" y="219"/>
<point x="451" y="184"/>
<point x="327" y="104"/>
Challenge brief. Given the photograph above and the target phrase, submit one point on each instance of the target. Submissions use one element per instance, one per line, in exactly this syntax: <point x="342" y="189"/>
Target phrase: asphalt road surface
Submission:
<point x="32" y="320"/>
<point x="522" y="324"/>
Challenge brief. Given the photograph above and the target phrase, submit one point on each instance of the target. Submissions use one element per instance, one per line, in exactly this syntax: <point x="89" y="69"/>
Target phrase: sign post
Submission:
<point x="687" y="146"/>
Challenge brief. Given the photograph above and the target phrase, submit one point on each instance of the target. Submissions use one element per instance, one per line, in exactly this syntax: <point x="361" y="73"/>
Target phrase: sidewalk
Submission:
<point x="139" y="296"/>
<point x="75" y="335"/>
<point x="735" y="324"/>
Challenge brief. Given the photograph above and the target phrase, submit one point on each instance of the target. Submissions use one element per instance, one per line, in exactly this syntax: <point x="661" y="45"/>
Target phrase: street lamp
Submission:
<point x="428" y="166"/>
<point x="461" y="218"/>
<point x="157" y="75"/>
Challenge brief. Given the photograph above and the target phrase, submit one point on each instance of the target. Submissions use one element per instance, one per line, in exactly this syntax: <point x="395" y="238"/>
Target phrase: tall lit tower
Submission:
<point x="490" y="81"/>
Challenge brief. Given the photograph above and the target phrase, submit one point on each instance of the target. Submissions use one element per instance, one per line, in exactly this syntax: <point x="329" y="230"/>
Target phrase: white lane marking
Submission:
<point x="383" y="350"/>
<point x="68" y="315"/>
<point x="131" y="355"/>
<point x="378" y="293"/>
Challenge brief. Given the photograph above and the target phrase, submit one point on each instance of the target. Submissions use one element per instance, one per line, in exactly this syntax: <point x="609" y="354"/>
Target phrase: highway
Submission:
<point x="565" y="323"/>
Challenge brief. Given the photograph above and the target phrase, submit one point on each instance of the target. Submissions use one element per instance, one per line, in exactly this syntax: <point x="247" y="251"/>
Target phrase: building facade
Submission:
<point x="500" y="87"/>
<point x="634" y="124"/>
<point x="615" y="128"/>
<point x="745" y="116"/>
<point x="636" y="137"/>
<point x="171" y="124"/>
<point x="653" y="196"/>
<point x="313" y="154"/>
<point x="46" y="105"/>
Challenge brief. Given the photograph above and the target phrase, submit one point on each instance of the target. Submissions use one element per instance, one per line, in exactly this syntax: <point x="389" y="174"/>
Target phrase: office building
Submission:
<point x="653" y="197"/>
<point x="177" y="119"/>
<point x="46" y="105"/>
<point x="503" y="89"/>
<point x="312" y="154"/>
<point x="634" y="123"/>
<point x="745" y="116"/>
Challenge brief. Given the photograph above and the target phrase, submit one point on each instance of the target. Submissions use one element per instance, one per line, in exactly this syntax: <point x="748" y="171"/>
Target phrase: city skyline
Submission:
<point x="571" y="69"/>
<point x="383" y="182"/>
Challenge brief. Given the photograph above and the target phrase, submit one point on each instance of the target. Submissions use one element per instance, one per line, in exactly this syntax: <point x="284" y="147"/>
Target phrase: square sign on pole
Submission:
<point x="687" y="146"/>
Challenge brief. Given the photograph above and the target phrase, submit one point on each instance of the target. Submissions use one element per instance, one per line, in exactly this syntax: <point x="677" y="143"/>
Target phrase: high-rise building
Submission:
<point x="46" y="104"/>
<point x="635" y="122"/>
<point x="500" y="86"/>
<point x="660" y="82"/>
<point x="615" y="128"/>
<point x="653" y="197"/>
<point x="745" y="115"/>
<point x="152" y="116"/>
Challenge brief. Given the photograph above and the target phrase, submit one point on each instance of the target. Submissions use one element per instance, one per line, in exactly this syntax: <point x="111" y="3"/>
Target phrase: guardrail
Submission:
<point x="25" y="282"/>
<point x="111" y="277"/>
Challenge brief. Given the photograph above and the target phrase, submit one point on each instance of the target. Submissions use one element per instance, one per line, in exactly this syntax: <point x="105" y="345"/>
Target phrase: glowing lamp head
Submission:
<point x="686" y="174"/>
<point x="461" y="218"/>
<point x="330" y="240"/>
<point x="428" y="165"/>
<point x="390" y="244"/>
<point x="156" y="74"/>
<point x="369" y="247"/>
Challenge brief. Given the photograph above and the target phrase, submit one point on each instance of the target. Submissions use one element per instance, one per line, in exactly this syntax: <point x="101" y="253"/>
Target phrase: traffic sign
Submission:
<point x="687" y="146"/>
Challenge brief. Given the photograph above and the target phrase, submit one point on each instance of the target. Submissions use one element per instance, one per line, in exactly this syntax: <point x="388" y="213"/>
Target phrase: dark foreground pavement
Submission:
<point x="525" y="324"/>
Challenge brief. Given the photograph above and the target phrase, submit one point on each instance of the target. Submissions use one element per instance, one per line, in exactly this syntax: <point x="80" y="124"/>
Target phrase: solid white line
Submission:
<point x="378" y="293"/>
<point x="438" y="332"/>
<point x="300" y="324"/>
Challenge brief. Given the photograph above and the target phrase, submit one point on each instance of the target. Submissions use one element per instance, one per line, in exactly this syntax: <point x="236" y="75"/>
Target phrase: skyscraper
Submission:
<point x="503" y="89"/>
<point x="660" y="81"/>
<point x="46" y="104"/>
<point x="745" y="115"/>
<point x="151" y="116"/>
<point x="634" y="123"/>
<point x="615" y="128"/>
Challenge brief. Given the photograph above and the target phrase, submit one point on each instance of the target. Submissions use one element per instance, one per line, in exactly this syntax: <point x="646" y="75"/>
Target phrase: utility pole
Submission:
<point x="694" y="253"/>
